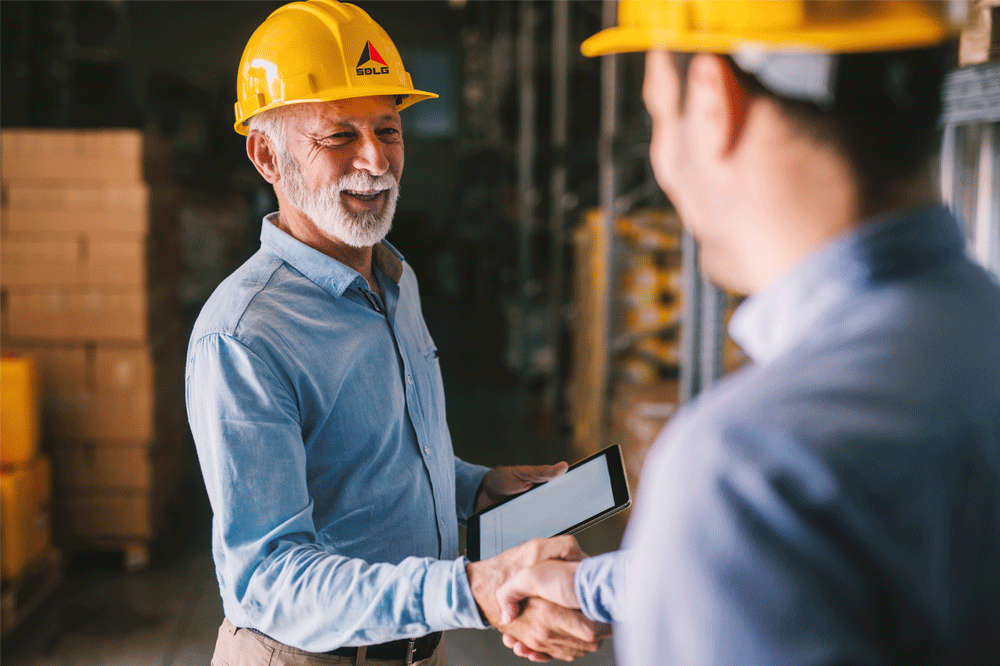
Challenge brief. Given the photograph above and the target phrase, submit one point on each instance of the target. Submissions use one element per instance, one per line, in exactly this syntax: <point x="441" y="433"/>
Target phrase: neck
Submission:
<point x="300" y="227"/>
<point x="796" y="197"/>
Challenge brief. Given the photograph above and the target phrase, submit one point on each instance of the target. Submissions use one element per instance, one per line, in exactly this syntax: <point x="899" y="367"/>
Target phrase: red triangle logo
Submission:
<point x="375" y="55"/>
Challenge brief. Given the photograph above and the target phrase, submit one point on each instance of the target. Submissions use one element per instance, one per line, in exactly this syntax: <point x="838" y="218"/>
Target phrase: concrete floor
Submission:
<point x="169" y="614"/>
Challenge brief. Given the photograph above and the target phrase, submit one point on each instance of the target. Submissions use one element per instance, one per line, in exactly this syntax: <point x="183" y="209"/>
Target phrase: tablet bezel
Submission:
<point x="619" y="488"/>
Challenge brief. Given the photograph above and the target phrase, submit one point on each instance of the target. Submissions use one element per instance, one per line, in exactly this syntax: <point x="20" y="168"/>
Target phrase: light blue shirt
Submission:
<point x="838" y="501"/>
<point x="318" y="414"/>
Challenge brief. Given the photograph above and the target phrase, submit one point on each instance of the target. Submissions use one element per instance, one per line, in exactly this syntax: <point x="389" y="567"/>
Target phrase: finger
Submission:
<point x="522" y="650"/>
<point x="563" y="547"/>
<point x="573" y="623"/>
<point x="543" y="628"/>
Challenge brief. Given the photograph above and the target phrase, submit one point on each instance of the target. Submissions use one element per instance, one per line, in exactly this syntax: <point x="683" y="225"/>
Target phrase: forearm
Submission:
<point x="309" y="598"/>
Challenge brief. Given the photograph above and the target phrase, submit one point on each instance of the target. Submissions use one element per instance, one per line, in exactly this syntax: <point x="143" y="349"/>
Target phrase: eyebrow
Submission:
<point x="353" y="119"/>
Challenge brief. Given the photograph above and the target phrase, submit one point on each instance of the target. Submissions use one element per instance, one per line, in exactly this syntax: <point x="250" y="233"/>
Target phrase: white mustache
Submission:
<point x="365" y="183"/>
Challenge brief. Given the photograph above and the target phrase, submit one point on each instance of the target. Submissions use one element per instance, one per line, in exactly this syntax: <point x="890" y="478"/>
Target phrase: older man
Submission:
<point x="838" y="501"/>
<point x="314" y="391"/>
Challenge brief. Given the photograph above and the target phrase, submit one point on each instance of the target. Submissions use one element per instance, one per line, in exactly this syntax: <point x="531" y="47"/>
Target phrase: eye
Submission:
<point x="390" y="134"/>
<point x="338" y="138"/>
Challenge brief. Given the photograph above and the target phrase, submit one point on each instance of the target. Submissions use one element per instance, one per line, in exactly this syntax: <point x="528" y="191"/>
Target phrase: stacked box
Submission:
<point x="638" y="414"/>
<point x="90" y="253"/>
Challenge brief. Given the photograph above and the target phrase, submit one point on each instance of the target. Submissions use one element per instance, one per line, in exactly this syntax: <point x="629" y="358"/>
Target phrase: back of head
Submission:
<point x="862" y="76"/>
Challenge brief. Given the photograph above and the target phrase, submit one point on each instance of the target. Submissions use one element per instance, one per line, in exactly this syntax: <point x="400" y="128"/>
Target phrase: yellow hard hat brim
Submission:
<point x="409" y="95"/>
<point x="900" y="26"/>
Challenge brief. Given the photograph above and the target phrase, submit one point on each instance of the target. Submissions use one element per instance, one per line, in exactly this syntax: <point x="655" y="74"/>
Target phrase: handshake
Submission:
<point x="528" y="593"/>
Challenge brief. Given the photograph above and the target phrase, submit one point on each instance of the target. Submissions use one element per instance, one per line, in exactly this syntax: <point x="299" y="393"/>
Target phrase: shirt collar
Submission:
<point x="325" y="271"/>
<point x="770" y="322"/>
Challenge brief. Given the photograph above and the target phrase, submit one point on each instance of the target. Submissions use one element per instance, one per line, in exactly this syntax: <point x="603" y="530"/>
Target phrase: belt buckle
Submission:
<point x="411" y="649"/>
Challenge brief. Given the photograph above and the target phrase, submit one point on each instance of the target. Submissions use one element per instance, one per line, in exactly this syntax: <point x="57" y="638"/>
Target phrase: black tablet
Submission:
<point x="590" y="491"/>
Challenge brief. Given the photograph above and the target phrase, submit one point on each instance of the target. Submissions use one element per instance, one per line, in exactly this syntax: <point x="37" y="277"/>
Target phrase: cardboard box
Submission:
<point x="61" y="368"/>
<point x="109" y="393"/>
<point x="105" y="465"/>
<point x="93" y="413"/>
<point x="30" y="259"/>
<point x="25" y="512"/>
<point x="106" y="515"/>
<point x="119" y="155"/>
<point x="80" y="313"/>
<point x="638" y="415"/>
<point x="67" y="207"/>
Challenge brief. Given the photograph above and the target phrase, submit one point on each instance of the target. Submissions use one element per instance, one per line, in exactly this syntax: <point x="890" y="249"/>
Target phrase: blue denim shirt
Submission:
<point x="318" y="413"/>
<point x="837" y="502"/>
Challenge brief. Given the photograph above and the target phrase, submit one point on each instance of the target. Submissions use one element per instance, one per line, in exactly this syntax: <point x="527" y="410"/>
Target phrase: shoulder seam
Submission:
<point x="250" y="350"/>
<point x="245" y="303"/>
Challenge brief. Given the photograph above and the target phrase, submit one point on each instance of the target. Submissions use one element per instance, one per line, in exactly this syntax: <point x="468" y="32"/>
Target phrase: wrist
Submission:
<point x="483" y="582"/>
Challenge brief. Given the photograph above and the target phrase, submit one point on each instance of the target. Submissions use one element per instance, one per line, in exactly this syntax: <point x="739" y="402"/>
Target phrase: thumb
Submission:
<point x="540" y="473"/>
<point x="512" y="593"/>
<point x="552" y="580"/>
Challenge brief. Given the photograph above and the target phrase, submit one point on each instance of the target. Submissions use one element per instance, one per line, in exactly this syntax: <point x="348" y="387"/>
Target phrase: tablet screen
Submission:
<point x="549" y="509"/>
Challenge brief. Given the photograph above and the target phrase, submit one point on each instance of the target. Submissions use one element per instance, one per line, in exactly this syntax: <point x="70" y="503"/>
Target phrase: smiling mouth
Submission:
<point x="367" y="195"/>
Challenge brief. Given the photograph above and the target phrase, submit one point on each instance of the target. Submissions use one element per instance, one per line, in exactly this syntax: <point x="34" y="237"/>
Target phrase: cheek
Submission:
<point x="664" y="152"/>
<point x="395" y="156"/>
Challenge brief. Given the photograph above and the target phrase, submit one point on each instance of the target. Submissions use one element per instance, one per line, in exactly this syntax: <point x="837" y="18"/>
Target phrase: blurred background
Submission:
<point x="563" y="296"/>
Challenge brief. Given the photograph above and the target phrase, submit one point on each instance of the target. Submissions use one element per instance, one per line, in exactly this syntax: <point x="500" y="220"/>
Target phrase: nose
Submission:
<point x="370" y="155"/>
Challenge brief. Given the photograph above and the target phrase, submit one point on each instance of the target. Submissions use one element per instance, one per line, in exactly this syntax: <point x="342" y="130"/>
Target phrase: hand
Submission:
<point x="545" y="630"/>
<point x="552" y="580"/>
<point x="502" y="482"/>
<point x="488" y="575"/>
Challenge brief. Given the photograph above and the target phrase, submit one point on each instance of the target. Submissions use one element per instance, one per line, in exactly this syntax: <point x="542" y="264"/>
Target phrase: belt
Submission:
<point x="410" y="650"/>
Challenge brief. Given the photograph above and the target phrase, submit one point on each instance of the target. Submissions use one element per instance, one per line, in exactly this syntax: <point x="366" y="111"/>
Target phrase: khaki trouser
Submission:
<point x="242" y="647"/>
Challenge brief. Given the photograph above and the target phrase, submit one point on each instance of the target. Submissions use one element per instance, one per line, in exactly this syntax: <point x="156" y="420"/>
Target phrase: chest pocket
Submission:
<point x="432" y="389"/>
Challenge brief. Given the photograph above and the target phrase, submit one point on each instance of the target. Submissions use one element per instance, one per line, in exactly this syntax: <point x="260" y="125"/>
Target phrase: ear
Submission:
<point x="718" y="104"/>
<point x="261" y="153"/>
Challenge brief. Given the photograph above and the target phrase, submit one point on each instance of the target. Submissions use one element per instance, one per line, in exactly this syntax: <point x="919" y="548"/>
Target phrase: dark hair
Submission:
<point x="884" y="118"/>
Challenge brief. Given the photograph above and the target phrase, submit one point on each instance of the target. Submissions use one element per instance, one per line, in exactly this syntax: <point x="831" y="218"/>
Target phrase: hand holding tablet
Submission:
<point x="590" y="491"/>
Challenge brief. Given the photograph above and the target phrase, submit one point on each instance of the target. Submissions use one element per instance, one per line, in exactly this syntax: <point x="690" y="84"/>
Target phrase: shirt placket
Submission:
<point x="415" y="412"/>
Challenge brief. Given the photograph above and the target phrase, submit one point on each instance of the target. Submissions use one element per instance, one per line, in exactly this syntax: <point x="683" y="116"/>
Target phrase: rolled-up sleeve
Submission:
<point x="273" y="573"/>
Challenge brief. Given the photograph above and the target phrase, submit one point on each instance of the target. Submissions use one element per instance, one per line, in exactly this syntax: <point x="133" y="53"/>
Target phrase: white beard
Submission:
<point x="325" y="208"/>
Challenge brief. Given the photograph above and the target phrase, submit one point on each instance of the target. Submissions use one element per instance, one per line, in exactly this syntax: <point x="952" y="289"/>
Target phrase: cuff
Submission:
<point x="468" y="478"/>
<point x="448" y="600"/>
<point x="599" y="584"/>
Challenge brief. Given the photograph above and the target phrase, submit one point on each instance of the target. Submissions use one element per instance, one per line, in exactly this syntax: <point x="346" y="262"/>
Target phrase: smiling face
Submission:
<point x="340" y="166"/>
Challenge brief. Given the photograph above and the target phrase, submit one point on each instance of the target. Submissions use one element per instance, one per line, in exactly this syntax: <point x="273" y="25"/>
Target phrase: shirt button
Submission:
<point x="409" y="380"/>
<point x="427" y="450"/>
<point x="441" y="522"/>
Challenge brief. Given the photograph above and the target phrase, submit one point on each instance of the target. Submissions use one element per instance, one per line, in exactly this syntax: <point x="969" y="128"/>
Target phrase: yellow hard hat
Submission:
<point x="828" y="26"/>
<point x="317" y="51"/>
